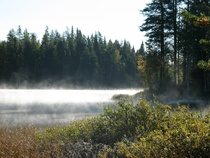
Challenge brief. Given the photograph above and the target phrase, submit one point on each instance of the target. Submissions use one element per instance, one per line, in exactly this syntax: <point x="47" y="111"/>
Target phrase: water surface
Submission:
<point x="44" y="107"/>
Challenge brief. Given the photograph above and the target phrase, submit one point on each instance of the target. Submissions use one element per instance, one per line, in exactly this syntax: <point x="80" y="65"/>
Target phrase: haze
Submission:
<point x="45" y="107"/>
<point x="25" y="97"/>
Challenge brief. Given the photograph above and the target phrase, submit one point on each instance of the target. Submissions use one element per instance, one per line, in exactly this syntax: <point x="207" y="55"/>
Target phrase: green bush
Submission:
<point x="180" y="133"/>
<point x="133" y="130"/>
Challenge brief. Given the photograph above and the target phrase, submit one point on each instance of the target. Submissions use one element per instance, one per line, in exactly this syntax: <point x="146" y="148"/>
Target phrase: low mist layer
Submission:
<point x="52" y="106"/>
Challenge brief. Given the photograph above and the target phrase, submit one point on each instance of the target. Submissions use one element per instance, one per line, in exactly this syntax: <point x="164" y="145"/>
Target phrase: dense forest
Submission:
<point x="67" y="59"/>
<point x="174" y="46"/>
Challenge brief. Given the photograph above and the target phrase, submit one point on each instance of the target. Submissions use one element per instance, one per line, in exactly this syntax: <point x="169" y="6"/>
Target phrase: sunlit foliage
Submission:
<point x="124" y="129"/>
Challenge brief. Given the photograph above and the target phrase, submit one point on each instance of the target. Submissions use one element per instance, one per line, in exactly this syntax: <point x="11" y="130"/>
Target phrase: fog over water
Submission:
<point x="45" y="107"/>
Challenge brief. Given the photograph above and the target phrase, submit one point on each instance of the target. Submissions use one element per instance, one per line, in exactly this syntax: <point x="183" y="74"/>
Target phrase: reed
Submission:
<point x="18" y="142"/>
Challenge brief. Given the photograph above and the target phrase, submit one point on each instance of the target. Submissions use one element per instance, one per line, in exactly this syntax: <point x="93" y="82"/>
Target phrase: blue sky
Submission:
<point x="114" y="19"/>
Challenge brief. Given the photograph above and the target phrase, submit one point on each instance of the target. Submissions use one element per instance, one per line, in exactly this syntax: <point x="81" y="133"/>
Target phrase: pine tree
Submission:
<point x="155" y="27"/>
<point x="141" y="51"/>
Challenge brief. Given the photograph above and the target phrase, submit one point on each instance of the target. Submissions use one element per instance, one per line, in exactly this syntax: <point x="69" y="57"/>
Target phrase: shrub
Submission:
<point x="180" y="133"/>
<point x="124" y="129"/>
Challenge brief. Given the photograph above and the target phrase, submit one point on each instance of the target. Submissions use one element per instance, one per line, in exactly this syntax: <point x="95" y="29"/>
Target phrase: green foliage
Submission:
<point x="204" y="65"/>
<point x="71" y="57"/>
<point x="180" y="133"/>
<point x="201" y="21"/>
<point x="149" y="70"/>
<point x="184" y="134"/>
<point x="138" y="130"/>
<point x="76" y="132"/>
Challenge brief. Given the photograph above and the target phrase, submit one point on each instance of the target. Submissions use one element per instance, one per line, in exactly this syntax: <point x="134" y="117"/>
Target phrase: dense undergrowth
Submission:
<point x="123" y="130"/>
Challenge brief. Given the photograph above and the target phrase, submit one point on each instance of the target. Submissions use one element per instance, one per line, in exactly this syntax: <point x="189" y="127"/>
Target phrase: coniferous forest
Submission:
<point x="177" y="46"/>
<point x="174" y="55"/>
<point x="70" y="58"/>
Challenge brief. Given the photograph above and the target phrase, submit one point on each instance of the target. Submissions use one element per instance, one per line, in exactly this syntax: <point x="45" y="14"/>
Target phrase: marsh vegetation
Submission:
<point x="124" y="129"/>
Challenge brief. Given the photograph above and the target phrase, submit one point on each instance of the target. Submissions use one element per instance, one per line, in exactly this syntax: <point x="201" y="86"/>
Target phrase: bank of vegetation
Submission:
<point x="122" y="130"/>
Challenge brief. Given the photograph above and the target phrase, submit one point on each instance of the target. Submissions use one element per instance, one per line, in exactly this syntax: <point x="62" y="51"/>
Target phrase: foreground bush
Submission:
<point x="123" y="130"/>
<point x="137" y="130"/>
<point x="181" y="134"/>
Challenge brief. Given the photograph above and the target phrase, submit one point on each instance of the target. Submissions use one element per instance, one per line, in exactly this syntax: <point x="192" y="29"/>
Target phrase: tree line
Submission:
<point x="70" y="58"/>
<point x="174" y="49"/>
<point x="174" y="46"/>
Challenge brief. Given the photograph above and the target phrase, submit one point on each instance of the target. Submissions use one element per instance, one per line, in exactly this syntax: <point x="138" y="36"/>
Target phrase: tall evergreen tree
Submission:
<point x="3" y="61"/>
<point x="35" y="46"/>
<point x="12" y="52"/>
<point x="141" y="51"/>
<point x="191" y="49"/>
<point x="155" y="27"/>
<point x="80" y="44"/>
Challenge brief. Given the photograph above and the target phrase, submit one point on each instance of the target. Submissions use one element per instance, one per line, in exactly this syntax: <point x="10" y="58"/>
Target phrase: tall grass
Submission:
<point x="123" y="130"/>
<point x="18" y="142"/>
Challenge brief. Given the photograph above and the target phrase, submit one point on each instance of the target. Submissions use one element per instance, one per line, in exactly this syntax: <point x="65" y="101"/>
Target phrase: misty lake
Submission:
<point x="46" y="107"/>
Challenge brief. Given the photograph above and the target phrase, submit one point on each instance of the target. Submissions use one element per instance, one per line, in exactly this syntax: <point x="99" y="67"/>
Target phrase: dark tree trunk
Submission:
<point x="162" y="48"/>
